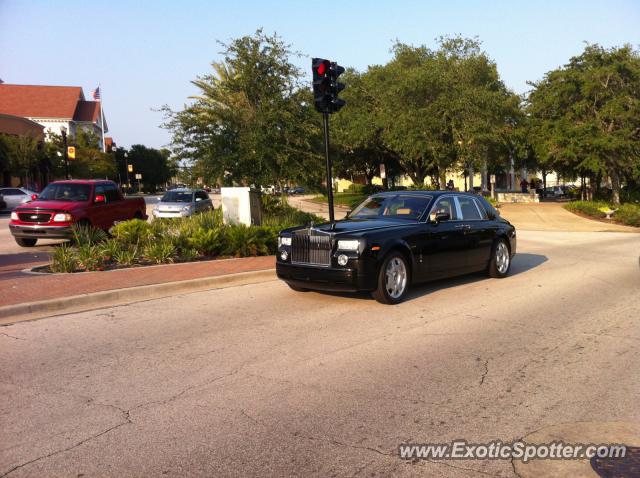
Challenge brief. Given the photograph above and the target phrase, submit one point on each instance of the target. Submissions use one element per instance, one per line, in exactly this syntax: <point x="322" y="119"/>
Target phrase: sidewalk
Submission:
<point x="18" y="287"/>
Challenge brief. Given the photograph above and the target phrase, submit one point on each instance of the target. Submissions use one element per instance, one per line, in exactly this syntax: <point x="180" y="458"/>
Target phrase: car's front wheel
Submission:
<point x="26" y="241"/>
<point x="393" y="279"/>
<point x="500" y="260"/>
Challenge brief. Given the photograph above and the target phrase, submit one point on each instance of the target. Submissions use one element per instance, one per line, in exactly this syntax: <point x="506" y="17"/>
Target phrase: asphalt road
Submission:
<point x="263" y="381"/>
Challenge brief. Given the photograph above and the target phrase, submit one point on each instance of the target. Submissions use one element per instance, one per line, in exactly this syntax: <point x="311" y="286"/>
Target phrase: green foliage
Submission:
<point x="126" y="256"/>
<point x="251" y="122"/>
<point x="135" y="231"/>
<point x="89" y="257"/>
<point x="188" y="255"/>
<point x="109" y="249"/>
<point x="628" y="214"/>
<point x="64" y="259"/>
<point x="586" y="116"/>
<point x="85" y="234"/>
<point x="206" y="241"/>
<point x="160" y="252"/>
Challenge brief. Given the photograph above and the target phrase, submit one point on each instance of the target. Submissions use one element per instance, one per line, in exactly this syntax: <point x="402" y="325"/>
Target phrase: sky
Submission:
<point x="144" y="54"/>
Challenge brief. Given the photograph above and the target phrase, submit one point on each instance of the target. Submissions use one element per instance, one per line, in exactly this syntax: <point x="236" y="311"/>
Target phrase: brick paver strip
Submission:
<point x="18" y="288"/>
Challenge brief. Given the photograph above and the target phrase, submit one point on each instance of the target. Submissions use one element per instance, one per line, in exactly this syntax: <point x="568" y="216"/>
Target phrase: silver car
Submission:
<point x="182" y="203"/>
<point x="13" y="197"/>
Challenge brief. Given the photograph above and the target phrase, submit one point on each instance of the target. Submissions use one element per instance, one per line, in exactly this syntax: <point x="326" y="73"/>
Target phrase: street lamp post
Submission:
<point x="126" y="168"/>
<point x="63" y="131"/>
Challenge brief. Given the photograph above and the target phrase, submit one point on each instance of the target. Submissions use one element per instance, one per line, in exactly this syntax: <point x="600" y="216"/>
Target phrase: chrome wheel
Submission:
<point x="396" y="277"/>
<point x="502" y="258"/>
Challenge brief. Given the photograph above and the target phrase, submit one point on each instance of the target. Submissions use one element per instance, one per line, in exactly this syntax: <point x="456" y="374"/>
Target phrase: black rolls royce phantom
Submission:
<point x="395" y="239"/>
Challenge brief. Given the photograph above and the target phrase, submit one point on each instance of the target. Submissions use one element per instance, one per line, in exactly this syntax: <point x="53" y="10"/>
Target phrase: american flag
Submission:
<point x="96" y="94"/>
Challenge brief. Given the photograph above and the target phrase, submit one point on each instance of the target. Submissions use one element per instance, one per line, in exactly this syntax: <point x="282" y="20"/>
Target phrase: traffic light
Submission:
<point x="325" y="85"/>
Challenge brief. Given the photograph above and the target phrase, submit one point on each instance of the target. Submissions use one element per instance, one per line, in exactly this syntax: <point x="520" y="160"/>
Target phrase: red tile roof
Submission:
<point x="87" y="111"/>
<point x="40" y="101"/>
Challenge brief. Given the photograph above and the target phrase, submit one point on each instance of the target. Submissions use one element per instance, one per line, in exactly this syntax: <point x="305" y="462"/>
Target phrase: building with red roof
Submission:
<point x="52" y="107"/>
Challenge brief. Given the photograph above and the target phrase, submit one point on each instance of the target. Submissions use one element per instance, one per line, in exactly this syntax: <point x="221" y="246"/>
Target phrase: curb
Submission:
<point x="32" y="310"/>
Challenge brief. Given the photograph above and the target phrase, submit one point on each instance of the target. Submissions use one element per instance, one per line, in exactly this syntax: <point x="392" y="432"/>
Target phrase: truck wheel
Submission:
<point x="500" y="261"/>
<point x="393" y="279"/>
<point x="26" y="241"/>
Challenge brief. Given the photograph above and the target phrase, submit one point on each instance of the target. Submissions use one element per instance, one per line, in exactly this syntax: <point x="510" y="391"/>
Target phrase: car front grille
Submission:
<point x="310" y="248"/>
<point x="34" y="217"/>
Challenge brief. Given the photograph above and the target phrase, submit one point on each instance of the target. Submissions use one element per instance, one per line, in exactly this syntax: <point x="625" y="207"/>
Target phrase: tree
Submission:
<point x="587" y="114"/>
<point x="152" y="163"/>
<point x="251" y="122"/>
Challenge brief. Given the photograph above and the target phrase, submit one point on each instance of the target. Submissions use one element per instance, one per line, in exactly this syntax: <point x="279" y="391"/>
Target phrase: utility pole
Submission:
<point x="325" y="117"/>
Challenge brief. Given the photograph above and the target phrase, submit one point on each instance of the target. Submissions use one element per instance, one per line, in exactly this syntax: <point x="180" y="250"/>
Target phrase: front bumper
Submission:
<point x="41" y="232"/>
<point x="324" y="278"/>
<point x="174" y="214"/>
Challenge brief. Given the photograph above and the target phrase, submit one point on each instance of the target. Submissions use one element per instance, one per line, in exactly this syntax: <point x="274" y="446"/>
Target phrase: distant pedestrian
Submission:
<point x="450" y="185"/>
<point x="524" y="185"/>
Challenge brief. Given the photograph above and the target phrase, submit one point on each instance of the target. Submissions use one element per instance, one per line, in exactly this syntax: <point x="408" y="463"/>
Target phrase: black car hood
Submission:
<point x="350" y="226"/>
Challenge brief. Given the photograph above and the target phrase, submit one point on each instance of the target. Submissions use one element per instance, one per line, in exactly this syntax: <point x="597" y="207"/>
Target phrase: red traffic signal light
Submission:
<point x="325" y="85"/>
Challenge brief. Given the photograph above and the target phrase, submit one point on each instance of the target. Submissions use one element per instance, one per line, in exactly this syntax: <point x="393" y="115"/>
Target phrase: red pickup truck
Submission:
<point x="50" y="215"/>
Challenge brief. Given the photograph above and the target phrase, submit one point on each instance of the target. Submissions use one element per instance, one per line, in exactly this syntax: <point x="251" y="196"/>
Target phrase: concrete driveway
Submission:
<point x="263" y="381"/>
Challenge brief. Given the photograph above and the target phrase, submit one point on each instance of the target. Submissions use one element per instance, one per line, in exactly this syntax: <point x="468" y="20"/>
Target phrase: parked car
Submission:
<point x="13" y="197"/>
<point x="296" y="190"/>
<point x="182" y="203"/>
<point x="61" y="204"/>
<point x="395" y="239"/>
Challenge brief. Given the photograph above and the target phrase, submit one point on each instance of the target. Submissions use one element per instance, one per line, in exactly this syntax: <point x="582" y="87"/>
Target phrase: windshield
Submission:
<point x="66" y="192"/>
<point x="177" y="196"/>
<point x="401" y="207"/>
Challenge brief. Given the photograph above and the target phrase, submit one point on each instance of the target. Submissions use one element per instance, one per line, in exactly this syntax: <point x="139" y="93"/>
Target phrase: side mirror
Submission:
<point x="34" y="197"/>
<point x="100" y="199"/>
<point x="198" y="199"/>
<point x="437" y="217"/>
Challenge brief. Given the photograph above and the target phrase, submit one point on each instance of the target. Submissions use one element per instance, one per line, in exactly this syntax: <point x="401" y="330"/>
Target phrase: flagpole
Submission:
<point x="104" y="148"/>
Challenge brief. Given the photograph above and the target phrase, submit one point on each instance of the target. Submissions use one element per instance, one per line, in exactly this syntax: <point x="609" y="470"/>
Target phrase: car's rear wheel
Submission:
<point x="500" y="260"/>
<point x="393" y="279"/>
<point x="26" y="241"/>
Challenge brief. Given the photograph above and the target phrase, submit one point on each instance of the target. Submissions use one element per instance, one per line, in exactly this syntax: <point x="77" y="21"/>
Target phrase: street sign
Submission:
<point x="493" y="179"/>
<point x="71" y="152"/>
<point x="138" y="176"/>
<point x="130" y="167"/>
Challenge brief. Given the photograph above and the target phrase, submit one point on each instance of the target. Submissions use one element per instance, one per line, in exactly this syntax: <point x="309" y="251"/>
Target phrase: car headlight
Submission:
<point x="348" y="245"/>
<point x="62" y="217"/>
<point x="187" y="208"/>
<point x="284" y="241"/>
<point x="14" y="215"/>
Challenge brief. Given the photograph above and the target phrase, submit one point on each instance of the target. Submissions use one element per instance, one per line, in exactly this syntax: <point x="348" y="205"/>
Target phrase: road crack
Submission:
<point x="12" y="336"/>
<point x="486" y="370"/>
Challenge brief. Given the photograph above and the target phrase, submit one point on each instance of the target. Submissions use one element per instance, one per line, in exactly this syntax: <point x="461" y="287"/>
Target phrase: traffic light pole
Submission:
<point x="325" y="118"/>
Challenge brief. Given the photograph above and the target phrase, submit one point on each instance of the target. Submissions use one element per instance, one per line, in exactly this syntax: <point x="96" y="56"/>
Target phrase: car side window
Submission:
<point x="99" y="191"/>
<point x="202" y="195"/>
<point x="446" y="205"/>
<point x="468" y="208"/>
<point x="11" y="192"/>
<point x="481" y="208"/>
<point x="111" y="193"/>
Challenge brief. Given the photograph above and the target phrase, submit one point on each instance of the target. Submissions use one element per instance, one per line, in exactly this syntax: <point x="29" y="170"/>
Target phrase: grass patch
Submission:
<point x="349" y="200"/>
<point x="627" y="214"/>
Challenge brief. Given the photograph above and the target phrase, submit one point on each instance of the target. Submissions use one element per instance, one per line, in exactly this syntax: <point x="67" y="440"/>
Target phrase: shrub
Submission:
<point x="64" y="259"/>
<point x="189" y="255"/>
<point x="89" y="257"/>
<point x="628" y="214"/>
<point x="86" y="234"/>
<point x="108" y="249"/>
<point x="126" y="256"/>
<point x="134" y="231"/>
<point x="590" y="208"/>
<point x="160" y="252"/>
<point x="206" y="241"/>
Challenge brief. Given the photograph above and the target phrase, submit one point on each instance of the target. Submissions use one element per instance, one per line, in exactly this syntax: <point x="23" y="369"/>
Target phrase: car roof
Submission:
<point x="183" y="190"/>
<point x="83" y="181"/>
<point x="424" y="192"/>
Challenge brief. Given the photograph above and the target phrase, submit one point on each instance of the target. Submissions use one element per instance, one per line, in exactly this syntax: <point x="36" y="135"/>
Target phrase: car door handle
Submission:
<point x="463" y="226"/>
